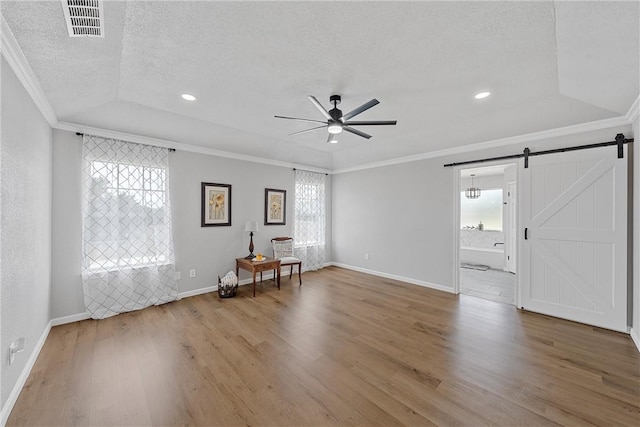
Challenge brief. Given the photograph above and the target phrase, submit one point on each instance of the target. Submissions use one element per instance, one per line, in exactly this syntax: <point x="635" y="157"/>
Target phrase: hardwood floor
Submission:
<point x="344" y="349"/>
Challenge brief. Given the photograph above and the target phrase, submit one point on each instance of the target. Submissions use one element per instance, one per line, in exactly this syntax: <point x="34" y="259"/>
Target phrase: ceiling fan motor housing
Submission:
<point x="335" y="113"/>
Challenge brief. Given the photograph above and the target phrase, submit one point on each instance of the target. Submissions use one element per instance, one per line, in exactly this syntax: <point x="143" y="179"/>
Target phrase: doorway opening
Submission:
<point x="487" y="236"/>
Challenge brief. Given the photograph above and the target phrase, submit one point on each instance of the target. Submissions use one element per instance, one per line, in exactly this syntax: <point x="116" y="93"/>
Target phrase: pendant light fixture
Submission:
<point x="472" y="192"/>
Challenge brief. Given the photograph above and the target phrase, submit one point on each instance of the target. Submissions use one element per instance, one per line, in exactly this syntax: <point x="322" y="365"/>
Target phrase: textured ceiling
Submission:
<point x="547" y="65"/>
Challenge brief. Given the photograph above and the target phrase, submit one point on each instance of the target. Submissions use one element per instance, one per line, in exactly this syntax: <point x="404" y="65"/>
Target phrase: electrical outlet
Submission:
<point x="366" y="257"/>
<point x="16" y="347"/>
<point x="177" y="275"/>
<point x="192" y="273"/>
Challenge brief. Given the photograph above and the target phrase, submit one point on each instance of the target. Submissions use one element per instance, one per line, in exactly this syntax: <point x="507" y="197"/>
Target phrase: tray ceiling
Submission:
<point x="547" y="65"/>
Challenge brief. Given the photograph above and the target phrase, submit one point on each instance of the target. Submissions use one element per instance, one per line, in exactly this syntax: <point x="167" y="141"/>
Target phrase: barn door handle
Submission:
<point x="526" y="233"/>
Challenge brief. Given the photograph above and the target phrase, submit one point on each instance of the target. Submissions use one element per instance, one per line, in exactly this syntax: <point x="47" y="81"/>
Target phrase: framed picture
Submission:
<point x="216" y="204"/>
<point x="275" y="207"/>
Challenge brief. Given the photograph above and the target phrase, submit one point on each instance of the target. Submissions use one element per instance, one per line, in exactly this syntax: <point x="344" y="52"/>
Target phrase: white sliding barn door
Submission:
<point x="574" y="260"/>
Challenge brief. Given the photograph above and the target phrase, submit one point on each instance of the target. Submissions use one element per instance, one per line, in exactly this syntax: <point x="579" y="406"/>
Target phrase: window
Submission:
<point x="310" y="222"/>
<point x="127" y="250"/>
<point x="126" y="213"/>
<point x="487" y="208"/>
<point x="309" y="214"/>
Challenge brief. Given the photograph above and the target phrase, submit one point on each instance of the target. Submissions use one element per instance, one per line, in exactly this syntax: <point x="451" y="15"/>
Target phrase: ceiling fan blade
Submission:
<point x="307" y="130"/>
<point x="355" y="131"/>
<point x="319" y="106"/>
<point x="373" y="123"/>
<point x="299" y="119"/>
<point x="360" y="109"/>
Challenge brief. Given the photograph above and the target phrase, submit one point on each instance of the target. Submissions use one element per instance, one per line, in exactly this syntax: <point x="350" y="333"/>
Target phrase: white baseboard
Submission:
<point x="70" y="319"/>
<point x="635" y="338"/>
<point x="195" y="292"/>
<point x="214" y="288"/>
<point x="22" y="379"/>
<point x="84" y="316"/>
<point x="394" y="277"/>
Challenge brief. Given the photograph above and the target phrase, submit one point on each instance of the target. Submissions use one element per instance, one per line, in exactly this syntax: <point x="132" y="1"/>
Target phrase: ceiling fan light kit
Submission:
<point x="336" y="122"/>
<point x="334" y="128"/>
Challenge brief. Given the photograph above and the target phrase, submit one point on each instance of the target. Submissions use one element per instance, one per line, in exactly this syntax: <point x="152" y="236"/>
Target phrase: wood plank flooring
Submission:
<point x="346" y="348"/>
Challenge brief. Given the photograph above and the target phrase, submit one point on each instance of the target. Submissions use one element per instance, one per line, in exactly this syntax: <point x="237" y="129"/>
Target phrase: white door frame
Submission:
<point x="510" y="254"/>
<point x="457" y="170"/>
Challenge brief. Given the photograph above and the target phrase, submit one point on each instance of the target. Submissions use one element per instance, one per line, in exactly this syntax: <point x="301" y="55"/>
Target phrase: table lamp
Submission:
<point x="251" y="227"/>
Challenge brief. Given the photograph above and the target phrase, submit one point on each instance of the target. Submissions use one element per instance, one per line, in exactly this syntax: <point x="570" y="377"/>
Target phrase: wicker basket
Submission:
<point x="230" y="286"/>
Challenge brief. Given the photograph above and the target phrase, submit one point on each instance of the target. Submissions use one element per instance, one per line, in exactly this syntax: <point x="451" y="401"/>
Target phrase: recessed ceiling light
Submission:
<point x="482" y="95"/>
<point x="188" y="97"/>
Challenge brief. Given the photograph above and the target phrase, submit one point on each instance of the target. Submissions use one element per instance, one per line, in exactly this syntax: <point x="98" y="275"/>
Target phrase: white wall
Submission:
<point x="66" y="221"/>
<point x="211" y="251"/>
<point x="400" y="215"/>
<point x="25" y="158"/>
<point x="403" y="215"/>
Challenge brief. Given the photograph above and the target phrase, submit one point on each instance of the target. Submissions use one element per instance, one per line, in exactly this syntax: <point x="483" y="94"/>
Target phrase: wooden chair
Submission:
<point x="283" y="250"/>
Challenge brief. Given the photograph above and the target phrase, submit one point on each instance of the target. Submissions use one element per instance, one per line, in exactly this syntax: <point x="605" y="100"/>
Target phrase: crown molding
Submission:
<point x="139" y="139"/>
<point x="634" y="110"/>
<point x="12" y="52"/>
<point x="519" y="139"/>
<point x="19" y="64"/>
<point x="513" y="140"/>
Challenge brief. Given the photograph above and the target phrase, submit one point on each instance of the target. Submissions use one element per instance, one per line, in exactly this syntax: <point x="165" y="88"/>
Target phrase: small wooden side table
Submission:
<point x="258" y="267"/>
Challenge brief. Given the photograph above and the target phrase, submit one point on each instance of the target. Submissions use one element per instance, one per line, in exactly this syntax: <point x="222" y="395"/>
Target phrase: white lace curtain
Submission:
<point x="128" y="260"/>
<point x="310" y="221"/>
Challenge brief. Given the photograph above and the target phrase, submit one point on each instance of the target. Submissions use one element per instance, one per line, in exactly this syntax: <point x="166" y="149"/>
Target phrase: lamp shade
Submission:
<point x="251" y="226"/>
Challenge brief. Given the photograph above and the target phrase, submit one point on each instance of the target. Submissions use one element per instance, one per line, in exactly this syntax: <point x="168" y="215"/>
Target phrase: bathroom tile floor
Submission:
<point x="496" y="285"/>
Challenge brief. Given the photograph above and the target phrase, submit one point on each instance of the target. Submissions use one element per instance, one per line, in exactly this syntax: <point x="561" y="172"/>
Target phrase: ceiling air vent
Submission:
<point x="84" y="17"/>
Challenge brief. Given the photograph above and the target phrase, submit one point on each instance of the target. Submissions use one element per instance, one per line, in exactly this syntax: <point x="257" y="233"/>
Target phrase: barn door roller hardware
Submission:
<point x="619" y="141"/>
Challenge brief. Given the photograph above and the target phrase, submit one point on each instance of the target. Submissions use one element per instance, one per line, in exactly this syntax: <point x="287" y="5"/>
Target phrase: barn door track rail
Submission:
<point x="619" y="141"/>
